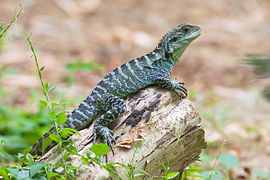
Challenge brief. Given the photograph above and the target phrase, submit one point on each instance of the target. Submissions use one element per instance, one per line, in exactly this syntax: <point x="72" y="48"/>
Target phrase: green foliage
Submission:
<point x="26" y="126"/>
<point x="171" y="175"/>
<point x="26" y="168"/>
<point x="261" y="173"/>
<point x="218" y="116"/>
<point x="212" y="175"/>
<point x="229" y="160"/>
<point x="38" y="171"/>
<point x="223" y="162"/>
<point x="84" y="66"/>
<point x="206" y="158"/>
<point x="100" y="149"/>
<point x="189" y="172"/>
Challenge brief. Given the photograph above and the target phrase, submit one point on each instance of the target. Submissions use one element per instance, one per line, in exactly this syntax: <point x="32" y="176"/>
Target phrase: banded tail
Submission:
<point x="80" y="118"/>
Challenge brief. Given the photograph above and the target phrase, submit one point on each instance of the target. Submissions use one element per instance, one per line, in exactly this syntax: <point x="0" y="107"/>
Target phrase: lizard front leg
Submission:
<point x="114" y="107"/>
<point x="172" y="85"/>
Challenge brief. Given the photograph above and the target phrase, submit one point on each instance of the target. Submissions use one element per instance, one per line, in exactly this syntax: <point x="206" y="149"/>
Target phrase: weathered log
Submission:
<point x="168" y="127"/>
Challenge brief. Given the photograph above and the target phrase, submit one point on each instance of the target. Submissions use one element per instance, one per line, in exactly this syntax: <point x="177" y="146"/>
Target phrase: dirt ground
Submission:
<point x="113" y="32"/>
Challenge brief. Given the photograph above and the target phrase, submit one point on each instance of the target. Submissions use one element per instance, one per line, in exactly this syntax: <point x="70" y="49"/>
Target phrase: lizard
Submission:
<point x="105" y="102"/>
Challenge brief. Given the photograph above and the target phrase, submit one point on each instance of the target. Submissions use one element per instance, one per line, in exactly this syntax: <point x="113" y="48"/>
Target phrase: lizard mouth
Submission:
<point x="194" y="35"/>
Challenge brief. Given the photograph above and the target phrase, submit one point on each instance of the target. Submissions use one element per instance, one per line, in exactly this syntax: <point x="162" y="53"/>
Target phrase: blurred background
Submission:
<point x="225" y="69"/>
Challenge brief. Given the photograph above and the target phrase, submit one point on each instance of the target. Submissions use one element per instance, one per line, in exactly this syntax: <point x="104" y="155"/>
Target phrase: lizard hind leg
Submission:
<point x="113" y="107"/>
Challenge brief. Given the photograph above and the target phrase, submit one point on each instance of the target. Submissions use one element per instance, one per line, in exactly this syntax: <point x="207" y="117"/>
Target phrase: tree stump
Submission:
<point x="167" y="127"/>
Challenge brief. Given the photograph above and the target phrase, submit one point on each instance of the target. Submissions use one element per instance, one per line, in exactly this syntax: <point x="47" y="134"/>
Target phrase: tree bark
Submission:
<point x="165" y="128"/>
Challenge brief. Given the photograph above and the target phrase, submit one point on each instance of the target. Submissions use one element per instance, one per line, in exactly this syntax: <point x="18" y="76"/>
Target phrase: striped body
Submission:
<point x="122" y="81"/>
<point x="154" y="68"/>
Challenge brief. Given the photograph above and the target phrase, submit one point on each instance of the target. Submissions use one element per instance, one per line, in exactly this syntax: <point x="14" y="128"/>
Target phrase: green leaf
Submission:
<point x="70" y="67"/>
<point x="47" y="141"/>
<point x="195" y="168"/>
<point x="1" y="27"/>
<point x="216" y="175"/>
<point x="110" y="164"/>
<point x="4" y="173"/>
<point x="30" y="158"/>
<point x="56" y="104"/>
<point x="75" y="131"/>
<point x="46" y="87"/>
<point x="229" y="160"/>
<point x="59" y="103"/>
<point x="261" y="173"/>
<point x="52" y="114"/>
<point x="3" y="141"/>
<point x="20" y="155"/>
<point x="206" y="158"/>
<point x="35" y="168"/>
<point x="55" y="138"/>
<point x="13" y="171"/>
<point x="85" y="66"/>
<point x="59" y="165"/>
<point x="68" y="131"/>
<point x="194" y="175"/>
<point x="100" y="149"/>
<point x="26" y="151"/>
<point x="85" y="161"/>
<point x="43" y="103"/>
<point x="51" y="88"/>
<point x="41" y="69"/>
<point x="64" y="133"/>
<point x="51" y="174"/>
<point x="23" y="174"/>
<point x="72" y="150"/>
<point x="60" y="178"/>
<point x="138" y="175"/>
<point x="172" y="175"/>
<point x="143" y="171"/>
<point x="65" y="156"/>
<point x="61" y="118"/>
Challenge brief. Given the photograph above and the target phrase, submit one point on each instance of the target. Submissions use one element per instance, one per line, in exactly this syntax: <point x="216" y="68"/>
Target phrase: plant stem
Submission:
<point x="45" y="89"/>
<point x="12" y="21"/>
<point x="212" y="170"/>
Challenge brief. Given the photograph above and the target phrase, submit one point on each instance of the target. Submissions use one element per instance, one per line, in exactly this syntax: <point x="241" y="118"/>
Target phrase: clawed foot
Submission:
<point x="107" y="136"/>
<point x="179" y="86"/>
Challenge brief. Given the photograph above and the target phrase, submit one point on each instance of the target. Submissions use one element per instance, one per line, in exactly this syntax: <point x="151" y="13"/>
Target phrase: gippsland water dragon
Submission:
<point x="105" y="102"/>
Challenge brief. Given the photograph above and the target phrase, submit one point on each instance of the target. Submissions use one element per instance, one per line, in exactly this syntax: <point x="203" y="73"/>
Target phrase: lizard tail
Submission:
<point x="37" y="148"/>
<point x="80" y="118"/>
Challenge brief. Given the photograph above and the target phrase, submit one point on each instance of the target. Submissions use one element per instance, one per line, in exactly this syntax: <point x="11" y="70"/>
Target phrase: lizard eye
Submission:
<point x="174" y="39"/>
<point x="185" y="29"/>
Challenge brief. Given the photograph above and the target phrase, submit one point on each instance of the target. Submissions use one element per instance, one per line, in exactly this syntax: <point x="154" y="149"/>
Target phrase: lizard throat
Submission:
<point x="178" y="53"/>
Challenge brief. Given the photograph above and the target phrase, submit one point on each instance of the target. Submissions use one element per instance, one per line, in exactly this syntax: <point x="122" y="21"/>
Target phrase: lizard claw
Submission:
<point x="179" y="86"/>
<point x="182" y="89"/>
<point x="107" y="136"/>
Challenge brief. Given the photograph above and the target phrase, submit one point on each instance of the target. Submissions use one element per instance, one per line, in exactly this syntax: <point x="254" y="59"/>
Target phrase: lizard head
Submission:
<point x="176" y="40"/>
